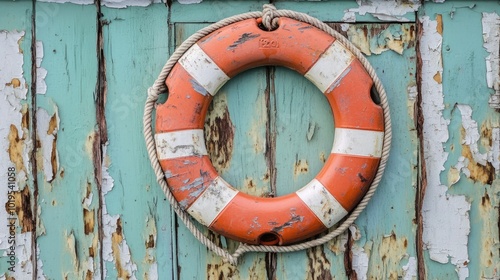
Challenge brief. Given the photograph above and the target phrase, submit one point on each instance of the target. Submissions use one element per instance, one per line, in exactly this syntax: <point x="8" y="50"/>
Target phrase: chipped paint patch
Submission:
<point x="300" y="167"/>
<point x="491" y="39"/>
<point x="490" y="234"/>
<point x="378" y="38"/>
<point x="150" y="234"/>
<point x="393" y="251"/>
<point x="189" y="1"/>
<point x="410" y="269"/>
<point x="22" y="200"/>
<point x="448" y="242"/>
<point x="360" y="261"/>
<point x="47" y="127"/>
<point x="250" y="187"/>
<point x="318" y="264"/>
<point x="15" y="145"/>
<point x="115" y="248"/>
<point x="219" y="133"/>
<point x="41" y="73"/>
<point x="412" y="91"/>
<point x="39" y="265"/>
<point x="72" y="247"/>
<point x="383" y="10"/>
<point x="474" y="164"/>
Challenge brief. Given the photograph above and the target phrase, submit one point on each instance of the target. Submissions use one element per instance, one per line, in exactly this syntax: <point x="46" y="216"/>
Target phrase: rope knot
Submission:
<point x="153" y="93"/>
<point x="269" y="17"/>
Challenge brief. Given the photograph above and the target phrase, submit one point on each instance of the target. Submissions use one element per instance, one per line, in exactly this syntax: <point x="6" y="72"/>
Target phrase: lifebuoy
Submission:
<point x="348" y="171"/>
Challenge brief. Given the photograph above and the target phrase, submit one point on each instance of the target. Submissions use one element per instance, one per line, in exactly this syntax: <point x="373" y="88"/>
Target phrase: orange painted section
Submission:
<point x="351" y="103"/>
<point x="348" y="177"/>
<point x="188" y="177"/>
<point x="238" y="47"/>
<point x="248" y="217"/>
<point x="185" y="107"/>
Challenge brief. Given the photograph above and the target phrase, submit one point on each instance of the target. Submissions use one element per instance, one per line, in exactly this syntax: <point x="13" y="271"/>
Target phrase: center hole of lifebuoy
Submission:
<point x="269" y="238"/>
<point x="269" y="131"/>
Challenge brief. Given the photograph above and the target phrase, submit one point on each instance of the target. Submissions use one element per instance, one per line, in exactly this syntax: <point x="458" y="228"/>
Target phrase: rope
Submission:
<point x="270" y="17"/>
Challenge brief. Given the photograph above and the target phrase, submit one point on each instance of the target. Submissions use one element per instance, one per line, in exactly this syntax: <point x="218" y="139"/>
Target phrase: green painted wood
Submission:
<point x="15" y="17"/>
<point x="238" y="111"/>
<point x="210" y="11"/>
<point x="69" y="241"/>
<point x="464" y="84"/>
<point x="304" y="139"/>
<point x="387" y="226"/>
<point x="133" y="60"/>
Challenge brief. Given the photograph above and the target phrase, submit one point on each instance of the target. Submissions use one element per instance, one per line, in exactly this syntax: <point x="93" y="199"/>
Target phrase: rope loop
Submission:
<point x="269" y="17"/>
<point x="153" y="93"/>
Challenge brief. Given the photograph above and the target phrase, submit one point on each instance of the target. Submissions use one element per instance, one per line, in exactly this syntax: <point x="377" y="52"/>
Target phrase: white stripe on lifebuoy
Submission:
<point x="180" y="143"/>
<point x="358" y="142"/>
<point x="212" y="201"/>
<point x="203" y="69"/>
<point x="322" y="203"/>
<point x="330" y="66"/>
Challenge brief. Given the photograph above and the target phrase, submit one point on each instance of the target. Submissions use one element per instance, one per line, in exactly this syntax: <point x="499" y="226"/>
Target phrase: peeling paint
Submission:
<point x="490" y="237"/>
<point x="219" y="133"/>
<point x="491" y="38"/>
<point x="300" y="167"/>
<point x="412" y="91"/>
<point x="189" y="1"/>
<point x="474" y="164"/>
<point x="318" y="264"/>
<point x="393" y="252"/>
<point x="360" y="261"/>
<point x="387" y="10"/>
<point x="72" y="247"/>
<point x="23" y="211"/>
<point x="41" y="73"/>
<point x="115" y="247"/>
<point x="444" y="243"/>
<point x="410" y="269"/>
<point x="150" y="233"/>
<point x="378" y="38"/>
<point x="47" y="127"/>
<point x="39" y="265"/>
<point x="15" y="145"/>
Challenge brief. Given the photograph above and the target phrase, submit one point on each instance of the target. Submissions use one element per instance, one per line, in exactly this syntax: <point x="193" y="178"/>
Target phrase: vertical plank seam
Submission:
<point x="175" y="273"/>
<point x="271" y="258"/>
<point x="101" y="133"/>
<point x="34" y="257"/>
<point x="421" y="174"/>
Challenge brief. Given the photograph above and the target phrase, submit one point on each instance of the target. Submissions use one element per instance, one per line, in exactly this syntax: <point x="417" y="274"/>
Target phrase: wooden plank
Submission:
<point x="68" y="196"/>
<point x="383" y="235"/>
<point x="239" y="114"/>
<point x="17" y="249"/>
<point x="210" y="11"/>
<point x="461" y="200"/>
<point x="139" y="237"/>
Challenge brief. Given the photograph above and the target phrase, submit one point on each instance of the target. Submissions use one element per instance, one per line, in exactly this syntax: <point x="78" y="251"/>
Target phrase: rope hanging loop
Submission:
<point x="196" y="71"/>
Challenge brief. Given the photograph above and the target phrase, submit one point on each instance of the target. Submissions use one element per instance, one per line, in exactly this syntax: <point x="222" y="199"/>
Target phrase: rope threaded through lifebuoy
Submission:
<point x="270" y="18"/>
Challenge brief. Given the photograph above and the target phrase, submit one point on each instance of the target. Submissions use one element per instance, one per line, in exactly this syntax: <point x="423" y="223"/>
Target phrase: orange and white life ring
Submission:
<point x="348" y="171"/>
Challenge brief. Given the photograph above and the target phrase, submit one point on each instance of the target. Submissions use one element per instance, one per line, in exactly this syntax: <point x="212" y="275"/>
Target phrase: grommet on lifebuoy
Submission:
<point x="336" y="189"/>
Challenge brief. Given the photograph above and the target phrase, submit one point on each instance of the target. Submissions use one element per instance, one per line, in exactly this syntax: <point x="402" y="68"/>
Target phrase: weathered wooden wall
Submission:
<point x="81" y="201"/>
